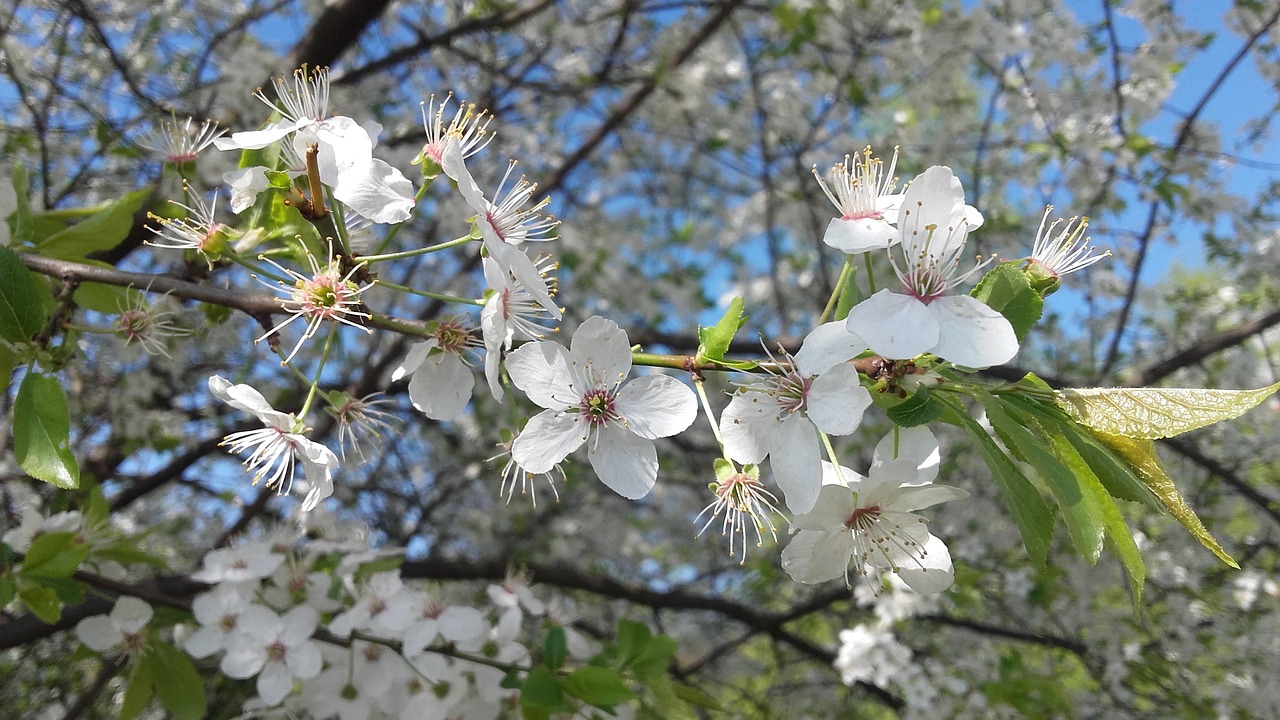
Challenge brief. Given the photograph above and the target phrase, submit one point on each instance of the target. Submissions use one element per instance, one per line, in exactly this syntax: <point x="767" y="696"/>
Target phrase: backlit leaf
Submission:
<point x="1150" y="413"/>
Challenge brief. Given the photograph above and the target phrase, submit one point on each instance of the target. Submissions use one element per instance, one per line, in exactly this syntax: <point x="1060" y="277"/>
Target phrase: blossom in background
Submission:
<point x="870" y="521"/>
<point x="142" y="322"/>
<point x="344" y="148"/>
<point x="277" y="446"/>
<point x="34" y="524"/>
<point x="586" y="402"/>
<point x="383" y="605"/>
<point x="218" y="613"/>
<point x="780" y="415"/>
<point x="460" y="625"/>
<point x="277" y="649"/>
<point x="121" y="629"/>
<point x="934" y="224"/>
<point x="442" y="379"/>
<point x="510" y="313"/>
<point x="862" y="190"/>
<point x="326" y="295"/>
<point x="180" y="141"/>
<point x="249" y="561"/>
<point x="360" y="420"/>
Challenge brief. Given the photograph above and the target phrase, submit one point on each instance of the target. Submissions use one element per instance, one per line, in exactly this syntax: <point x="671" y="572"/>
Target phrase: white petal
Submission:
<point x="441" y="387"/>
<point x="241" y="397"/>
<point x="794" y="458"/>
<point x="834" y="506"/>
<point x="304" y="661"/>
<point x="916" y="460"/>
<point x="602" y="346"/>
<point x="541" y="370"/>
<point x="130" y="614"/>
<point x="513" y="260"/>
<point x="318" y="464"/>
<point x="857" y="236"/>
<point x="244" y="658"/>
<point x="895" y="326"/>
<point x="746" y="424"/>
<point x="931" y="572"/>
<point x="419" y="635"/>
<point x="916" y="497"/>
<point x="461" y="624"/>
<point x="932" y="215"/>
<point x="413" y="360"/>
<point x="452" y="163"/>
<point x="624" y="461"/>
<point x="274" y="683"/>
<point x="203" y="642"/>
<point x="547" y="439"/>
<point x="257" y="139"/>
<point x="828" y="345"/>
<point x="657" y="406"/>
<point x="377" y="191"/>
<point x="813" y="557"/>
<point x="298" y="624"/>
<point x="836" y="401"/>
<point x="245" y="185"/>
<point x="971" y="333"/>
<point x="98" y="633"/>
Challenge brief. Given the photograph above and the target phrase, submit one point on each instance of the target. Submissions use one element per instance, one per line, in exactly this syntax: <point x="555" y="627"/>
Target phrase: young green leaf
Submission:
<point x="1151" y="413"/>
<point x="540" y="689"/>
<point x="54" y="555"/>
<point x="597" y="686"/>
<point x="1006" y="289"/>
<point x="554" y="648"/>
<point x="713" y="342"/>
<point x="1140" y="454"/>
<point x="1079" y="508"/>
<point x="40" y="599"/>
<point x="102" y="230"/>
<point x="41" y="432"/>
<point x="919" y="409"/>
<point x="177" y="683"/>
<point x="21" y="313"/>
<point x="138" y="690"/>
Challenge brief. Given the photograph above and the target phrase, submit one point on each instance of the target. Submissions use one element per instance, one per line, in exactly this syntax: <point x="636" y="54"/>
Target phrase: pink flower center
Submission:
<point x="871" y="214"/>
<point x="793" y="392"/>
<point x="276" y="651"/>
<point x="862" y="517"/>
<point x="598" y="406"/>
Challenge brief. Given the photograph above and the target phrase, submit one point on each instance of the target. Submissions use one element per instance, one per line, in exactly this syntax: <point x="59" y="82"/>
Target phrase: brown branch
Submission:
<point x="335" y="30"/>
<point x="1205" y="348"/>
<point x="1071" y="645"/>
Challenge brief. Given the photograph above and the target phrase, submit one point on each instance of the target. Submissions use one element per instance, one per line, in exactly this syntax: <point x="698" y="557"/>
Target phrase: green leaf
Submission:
<point x="1140" y="454"/>
<point x="1032" y="516"/>
<point x="540" y="689"/>
<point x="106" y="299"/>
<point x="22" y="229"/>
<point x="713" y="342"/>
<point x="1122" y="543"/>
<point x="54" y="555"/>
<point x="1151" y="413"/>
<point x="8" y="362"/>
<point x="21" y="313"/>
<point x="654" y="658"/>
<point x="597" y="686"/>
<point x="554" y="648"/>
<point x="850" y="294"/>
<point x="41" y="600"/>
<point x="177" y="683"/>
<point x="919" y="409"/>
<point x="694" y="696"/>
<point x="1079" y="509"/>
<point x="8" y="589"/>
<point x="670" y="706"/>
<point x="138" y="691"/>
<point x="632" y="637"/>
<point x="41" y="432"/>
<point x="386" y="564"/>
<point x="102" y="230"/>
<point x="1007" y="290"/>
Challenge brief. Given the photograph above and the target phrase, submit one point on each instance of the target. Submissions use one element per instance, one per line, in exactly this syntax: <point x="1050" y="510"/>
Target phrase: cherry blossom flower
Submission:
<point x="744" y="500"/>
<point x="218" y="612"/>
<point x="586" y="402"/>
<point x="359" y="420"/>
<point x="442" y="379"/>
<point x="327" y="294"/>
<point x="277" y="649"/>
<point x="468" y="130"/>
<point x="513" y="475"/>
<point x="862" y="190"/>
<point x="934" y="223"/>
<point x="1053" y="256"/>
<point x="278" y="445"/>
<point x="463" y="626"/>
<point x="34" y="524"/>
<point x="238" y="563"/>
<point x="144" y="323"/>
<point x="871" y="521"/>
<point x="121" y="629"/>
<point x="510" y="313"/>
<point x="197" y="231"/>
<point x="344" y="148"/>
<point x="383" y="605"/>
<point x="179" y="142"/>
<point x="780" y="415"/>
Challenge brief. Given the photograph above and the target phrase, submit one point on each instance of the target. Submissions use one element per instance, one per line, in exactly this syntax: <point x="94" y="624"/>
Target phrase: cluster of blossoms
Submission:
<point x="323" y="641"/>
<point x="785" y="414"/>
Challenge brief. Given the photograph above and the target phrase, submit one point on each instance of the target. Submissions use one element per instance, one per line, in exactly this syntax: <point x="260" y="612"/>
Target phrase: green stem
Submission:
<point x="315" y="383"/>
<point x="424" y="293"/>
<point x="255" y="269"/>
<point x="700" y="386"/>
<point x="845" y="272"/>
<point x="420" y="251"/>
<point x="871" y="276"/>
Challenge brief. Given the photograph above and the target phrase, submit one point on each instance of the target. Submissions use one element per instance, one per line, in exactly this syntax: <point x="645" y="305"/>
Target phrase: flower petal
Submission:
<point x="624" y="461"/>
<point x="541" y="370"/>
<point x="826" y="346"/>
<point x="413" y="360"/>
<point x="274" y="683"/>
<point x="602" y="346"/>
<point x="971" y="333"/>
<point x="814" y="556"/>
<point x="377" y="191"/>
<point x="931" y="570"/>
<point x="834" y="505"/>
<point x="547" y="439"/>
<point x="257" y="139"/>
<point x="895" y="326"/>
<point x="909" y="498"/>
<point x="98" y="633"/>
<point x="130" y="614"/>
<point x="657" y="406"/>
<point x="746" y="424"/>
<point x="241" y="397"/>
<point x="860" y="235"/>
<point x="794" y="458"/>
<point x="916" y="459"/>
<point x="441" y="386"/>
<point x="836" y="401"/>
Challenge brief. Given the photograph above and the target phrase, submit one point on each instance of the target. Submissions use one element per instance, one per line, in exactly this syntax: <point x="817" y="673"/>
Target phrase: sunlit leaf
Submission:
<point x="1153" y="413"/>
